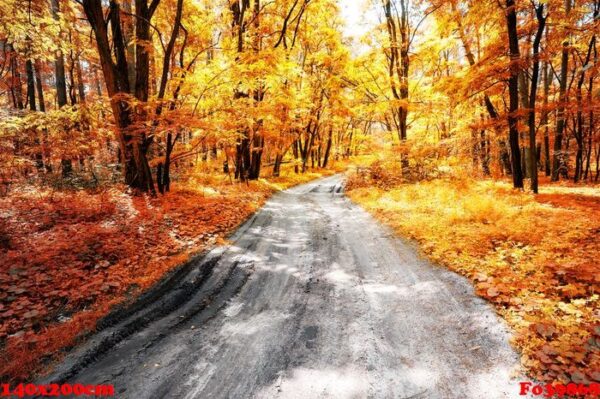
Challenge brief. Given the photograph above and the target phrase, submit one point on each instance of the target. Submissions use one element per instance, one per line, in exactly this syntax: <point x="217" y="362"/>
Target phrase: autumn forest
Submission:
<point x="137" y="135"/>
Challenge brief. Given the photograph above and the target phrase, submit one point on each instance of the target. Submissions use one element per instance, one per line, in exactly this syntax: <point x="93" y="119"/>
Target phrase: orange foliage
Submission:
<point x="533" y="257"/>
<point x="68" y="257"/>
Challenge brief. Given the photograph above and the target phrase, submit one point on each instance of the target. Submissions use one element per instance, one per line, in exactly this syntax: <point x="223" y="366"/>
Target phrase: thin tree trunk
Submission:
<point x="544" y="121"/>
<point x="80" y="83"/>
<point x="142" y="56"/>
<point x="504" y="158"/>
<point x="591" y="121"/>
<point x="242" y="154"/>
<point x="42" y="107"/>
<point x="39" y="159"/>
<point x="129" y="36"/>
<point x="256" y="156"/>
<point x="295" y="150"/>
<point x="533" y="170"/>
<point x="485" y="153"/>
<point x="16" y="84"/>
<point x="399" y="63"/>
<point x="328" y="148"/>
<point x="59" y="64"/>
<point x="558" y="162"/>
<point x="61" y="85"/>
<point x="513" y="86"/>
<point x="258" y="141"/>
<point x="97" y="83"/>
<point x="166" y="173"/>
<point x="164" y="176"/>
<point x="39" y="86"/>
<point x="72" y="85"/>
<point x="30" y="85"/>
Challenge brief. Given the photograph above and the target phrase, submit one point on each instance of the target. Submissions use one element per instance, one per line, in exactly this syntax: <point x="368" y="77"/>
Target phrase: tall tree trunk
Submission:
<point x="398" y="63"/>
<point x="591" y="116"/>
<point x="72" y="85"/>
<point x="580" y="135"/>
<point x="513" y="87"/>
<point x="59" y="64"/>
<point x="242" y="154"/>
<point x="533" y="157"/>
<point x="168" y="53"/>
<point x="544" y="121"/>
<point x="404" y="70"/>
<point x="61" y="85"/>
<point x="489" y="106"/>
<point x="311" y="133"/>
<point x="164" y="175"/>
<point x="15" y="83"/>
<point x="579" y="125"/>
<point x="524" y="99"/>
<point x="142" y="56"/>
<point x="80" y="83"/>
<point x="558" y="161"/>
<point x="39" y="87"/>
<point x="30" y="85"/>
<point x="129" y="36"/>
<point x="306" y="152"/>
<point x="258" y="141"/>
<point x="39" y="159"/>
<point x="37" y="68"/>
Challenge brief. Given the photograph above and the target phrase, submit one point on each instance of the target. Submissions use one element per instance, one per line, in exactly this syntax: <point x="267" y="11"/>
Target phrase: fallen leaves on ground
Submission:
<point x="534" y="258"/>
<point x="68" y="257"/>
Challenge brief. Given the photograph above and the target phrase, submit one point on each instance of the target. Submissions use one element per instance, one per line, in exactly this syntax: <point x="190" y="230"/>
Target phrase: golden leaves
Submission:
<point x="540" y="274"/>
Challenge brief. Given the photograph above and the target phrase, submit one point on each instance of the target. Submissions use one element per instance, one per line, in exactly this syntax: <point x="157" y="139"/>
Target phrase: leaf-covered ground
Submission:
<point x="534" y="258"/>
<point x="68" y="257"/>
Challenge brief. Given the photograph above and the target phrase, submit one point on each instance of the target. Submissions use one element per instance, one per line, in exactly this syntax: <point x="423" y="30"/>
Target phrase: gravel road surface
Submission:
<point x="312" y="299"/>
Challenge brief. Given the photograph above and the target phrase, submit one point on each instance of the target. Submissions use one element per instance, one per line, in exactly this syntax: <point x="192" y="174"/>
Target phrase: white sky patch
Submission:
<point x="360" y="17"/>
<point x="357" y="19"/>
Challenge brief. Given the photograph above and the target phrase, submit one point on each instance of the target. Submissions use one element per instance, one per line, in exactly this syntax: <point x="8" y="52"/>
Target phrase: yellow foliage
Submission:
<point x="535" y="261"/>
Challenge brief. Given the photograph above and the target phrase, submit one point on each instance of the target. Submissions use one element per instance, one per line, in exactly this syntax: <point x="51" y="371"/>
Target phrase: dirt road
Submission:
<point x="313" y="299"/>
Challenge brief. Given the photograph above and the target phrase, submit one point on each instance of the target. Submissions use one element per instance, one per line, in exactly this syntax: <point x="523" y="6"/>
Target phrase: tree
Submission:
<point x="133" y="141"/>
<point x="397" y="23"/>
<point x="558" y="163"/>
<point x="513" y="87"/>
<point x="533" y="156"/>
<point x="251" y="141"/>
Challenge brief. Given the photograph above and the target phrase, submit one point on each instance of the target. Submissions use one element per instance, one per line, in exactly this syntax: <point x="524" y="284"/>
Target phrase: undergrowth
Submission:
<point x="534" y="258"/>
<point x="68" y="257"/>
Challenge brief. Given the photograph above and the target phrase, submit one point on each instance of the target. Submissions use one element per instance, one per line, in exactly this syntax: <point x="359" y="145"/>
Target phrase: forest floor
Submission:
<point x="311" y="298"/>
<point x="534" y="257"/>
<point x="68" y="257"/>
